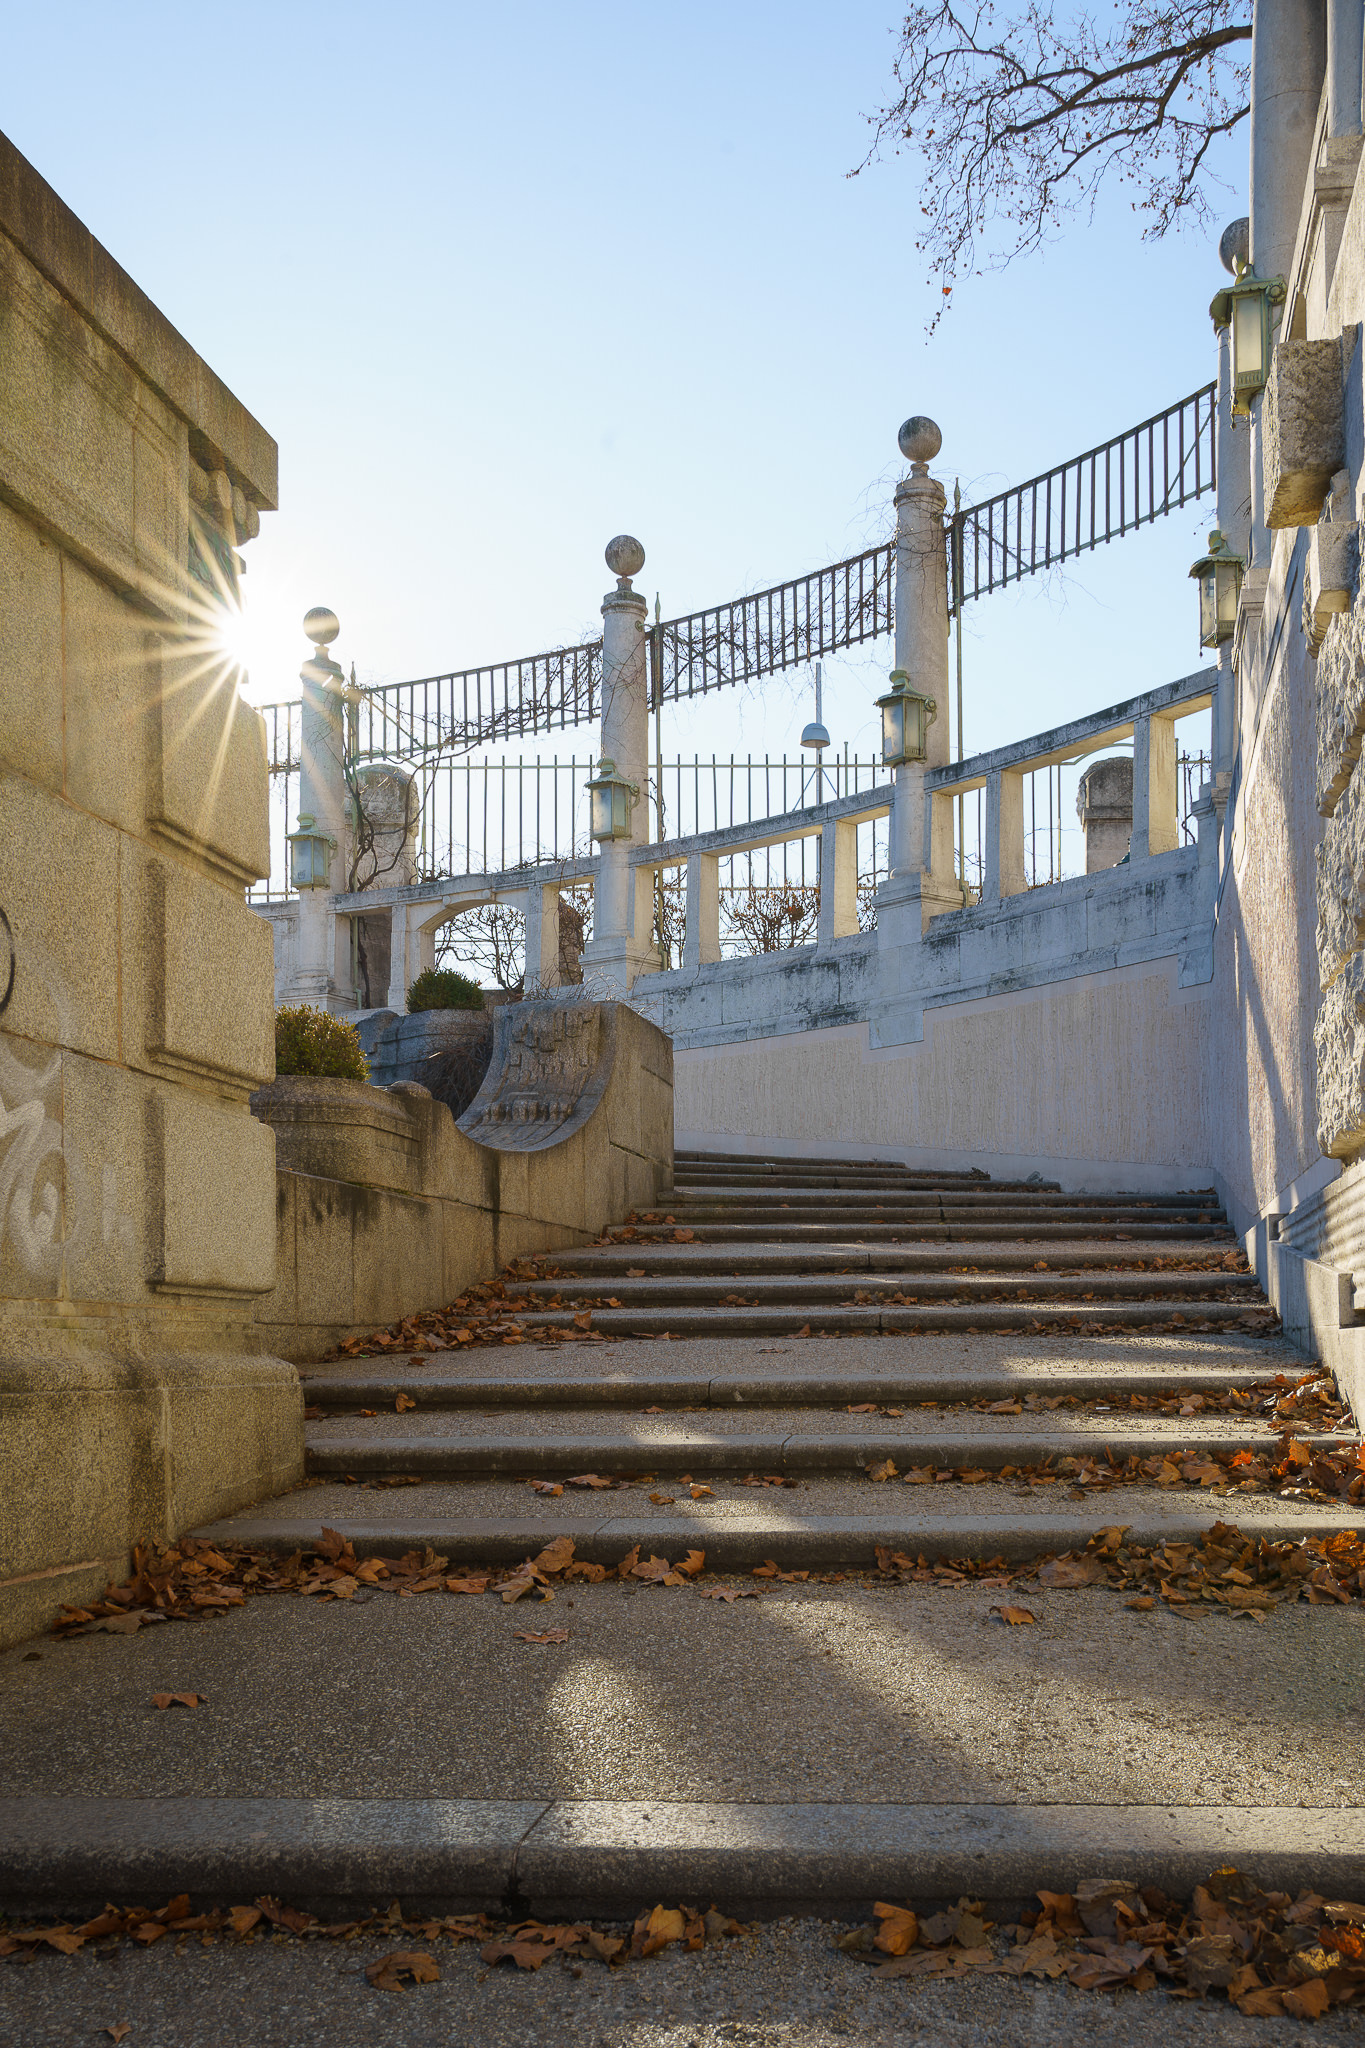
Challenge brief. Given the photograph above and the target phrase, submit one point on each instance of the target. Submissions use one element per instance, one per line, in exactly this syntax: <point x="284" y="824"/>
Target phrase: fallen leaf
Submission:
<point x="703" y="1493"/>
<point x="1072" y="1571"/>
<point x="549" y="1635"/>
<point x="691" y="1564"/>
<point x="546" y="1486"/>
<point x="179" y="1699"/>
<point x="899" y="1930"/>
<point x="886" y="1471"/>
<point x="1143" y="1604"/>
<point x="727" y="1593"/>
<point x="388" y="1973"/>
<point x="119" y="2029"/>
<point x="474" y="1583"/>
<point x="403" y="1402"/>
<point x="242" y="1919"/>
<point x="1307" y="2001"/>
<point x="662" y="1500"/>
<point x="1015" y="1616"/>
<point x="555" y="1557"/>
<point x="592" y="1480"/>
<point x="657" y="1931"/>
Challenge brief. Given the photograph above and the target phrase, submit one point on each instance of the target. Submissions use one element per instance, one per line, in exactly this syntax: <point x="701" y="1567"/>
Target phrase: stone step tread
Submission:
<point x="569" y="1857"/>
<point x="838" y="1288"/>
<point x="574" y="1444"/>
<point x="859" y="1259"/>
<point x="824" y="1524"/>
<point x="826" y="1318"/>
<point x="913" y="1229"/>
<point x="370" y="1382"/>
<point x="849" y="1198"/>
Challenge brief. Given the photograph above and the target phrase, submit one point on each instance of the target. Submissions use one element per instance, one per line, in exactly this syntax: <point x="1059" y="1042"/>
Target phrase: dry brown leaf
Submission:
<point x="119" y="2029"/>
<point x="549" y="1635"/>
<point x="179" y="1699"/>
<point x="694" y="1562"/>
<point x="1015" y="1616"/>
<point x="546" y="1486"/>
<point x="555" y="1557"/>
<point x="593" y="1480"/>
<point x="702" y="1493"/>
<point x="1143" y="1604"/>
<point x="242" y="1919"/>
<point x="899" y="1930"/>
<point x="727" y="1593"/>
<point x="657" y="1930"/>
<point x="884" y="1471"/>
<point x="402" y="1402"/>
<point x="1307" y="2001"/>
<point x="388" y="1973"/>
<point x="474" y="1583"/>
<point x="1073" y="1571"/>
<point x="663" y="1500"/>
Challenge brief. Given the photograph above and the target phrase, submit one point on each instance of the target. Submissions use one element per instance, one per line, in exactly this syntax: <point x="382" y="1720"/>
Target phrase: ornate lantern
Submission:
<point x="906" y="717"/>
<point x="1219" y="575"/>
<point x="611" y="801"/>
<point x="310" y="855"/>
<point x="1245" y="307"/>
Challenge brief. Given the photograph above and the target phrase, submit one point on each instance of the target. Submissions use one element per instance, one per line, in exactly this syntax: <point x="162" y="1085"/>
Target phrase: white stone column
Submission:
<point x="1004" y="851"/>
<point x="921" y="831"/>
<point x="838" y="917"/>
<point x="1234" y="523"/>
<point x="1288" y="57"/>
<point x="322" y="798"/>
<point x="701" y="942"/>
<point x="621" y="947"/>
<point x="1345" y="31"/>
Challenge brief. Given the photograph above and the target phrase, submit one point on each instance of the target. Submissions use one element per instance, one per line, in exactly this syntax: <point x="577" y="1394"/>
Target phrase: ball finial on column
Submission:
<point x="1234" y="246"/>
<point x="919" y="440"/>
<point x="625" y="558"/>
<point x="321" y="625"/>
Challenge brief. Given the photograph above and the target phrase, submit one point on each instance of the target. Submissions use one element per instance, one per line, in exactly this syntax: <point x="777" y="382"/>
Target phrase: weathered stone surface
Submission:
<point x="1339" y="1044"/>
<point x="1340" y="706"/>
<point x="1104" y="805"/>
<point x="1330" y="576"/>
<point x="1341" y="883"/>
<point x="1303" y="433"/>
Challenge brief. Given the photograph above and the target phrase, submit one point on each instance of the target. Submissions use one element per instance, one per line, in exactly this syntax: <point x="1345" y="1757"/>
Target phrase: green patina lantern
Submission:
<point x="1245" y="306"/>
<point x="907" y="715"/>
<point x="310" y="855"/>
<point x="611" y="800"/>
<point x="1219" y="576"/>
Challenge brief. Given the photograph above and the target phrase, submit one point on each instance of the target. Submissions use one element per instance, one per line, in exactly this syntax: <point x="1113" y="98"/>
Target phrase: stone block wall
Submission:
<point x="136" y="1189"/>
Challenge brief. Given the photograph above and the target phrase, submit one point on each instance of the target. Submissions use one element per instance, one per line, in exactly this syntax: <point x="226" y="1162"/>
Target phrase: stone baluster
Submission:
<point x="542" y="936"/>
<point x="318" y="978"/>
<point x="701" y="943"/>
<point x="1004" y="856"/>
<point x="1156" y="822"/>
<point x="838" y="881"/>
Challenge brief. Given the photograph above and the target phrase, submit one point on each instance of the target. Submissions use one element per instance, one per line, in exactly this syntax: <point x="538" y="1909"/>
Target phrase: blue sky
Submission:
<point x="504" y="282"/>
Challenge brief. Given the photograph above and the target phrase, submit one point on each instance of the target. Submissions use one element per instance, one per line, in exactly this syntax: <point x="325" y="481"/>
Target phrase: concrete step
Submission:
<point x="989" y="1255"/>
<point x="985" y="1201"/>
<point x="874" y="1229"/>
<point x="789" y="1320"/>
<point x="798" y="1288"/>
<point x="799" y="1529"/>
<point x="377" y="1383"/>
<point x="817" y="1209"/>
<point x="575" y="1442"/>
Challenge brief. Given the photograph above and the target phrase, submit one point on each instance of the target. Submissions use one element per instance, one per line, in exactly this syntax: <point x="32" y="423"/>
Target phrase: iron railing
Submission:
<point x="1153" y="469"/>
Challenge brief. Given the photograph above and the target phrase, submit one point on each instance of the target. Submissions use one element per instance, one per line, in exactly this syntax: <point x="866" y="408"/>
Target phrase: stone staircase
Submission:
<point x="784" y="1328"/>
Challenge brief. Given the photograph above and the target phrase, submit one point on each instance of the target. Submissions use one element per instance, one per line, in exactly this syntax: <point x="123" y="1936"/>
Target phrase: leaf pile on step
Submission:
<point x="1309" y="1402"/>
<point x="1222" y="1569"/>
<point x="529" y="1944"/>
<point x="193" y="1579"/>
<point x="1273" y="1956"/>
<point x="1293" y="1469"/>
<point x="484" y="1315"/>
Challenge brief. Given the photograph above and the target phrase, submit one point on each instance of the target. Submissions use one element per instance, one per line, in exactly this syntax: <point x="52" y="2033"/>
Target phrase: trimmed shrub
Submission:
<point x="309" y="1041"/>
<point x="441" y="988"/>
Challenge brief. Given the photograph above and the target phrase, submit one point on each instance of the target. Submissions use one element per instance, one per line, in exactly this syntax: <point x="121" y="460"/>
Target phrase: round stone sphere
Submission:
<point x="625" y="556"/>
<point x="1234" y="245"/>
<point x="321" y="625"/>
<point x="919" y="439"/>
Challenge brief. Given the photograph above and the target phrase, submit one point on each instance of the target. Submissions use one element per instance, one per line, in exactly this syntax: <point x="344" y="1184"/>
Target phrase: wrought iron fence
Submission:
<point x="482" y="817"/>
<point x="1138" y="477"/>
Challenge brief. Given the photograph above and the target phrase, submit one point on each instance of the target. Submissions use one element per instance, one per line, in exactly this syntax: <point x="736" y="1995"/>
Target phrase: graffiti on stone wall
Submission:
<point x="47" y="1210"/>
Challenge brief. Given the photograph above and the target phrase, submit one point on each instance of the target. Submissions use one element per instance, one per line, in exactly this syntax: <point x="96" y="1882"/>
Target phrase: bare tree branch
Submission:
<point x="1019" y="123"/>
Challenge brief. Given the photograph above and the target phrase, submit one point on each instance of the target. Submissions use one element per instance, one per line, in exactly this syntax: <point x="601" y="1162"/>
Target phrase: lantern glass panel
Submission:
<point x="1229" y="589"/>
<point x="1248" y="341"/>
<point x="1208" y="608"/>
<point x="893" y="730"/>
<point x="601" y="811"/>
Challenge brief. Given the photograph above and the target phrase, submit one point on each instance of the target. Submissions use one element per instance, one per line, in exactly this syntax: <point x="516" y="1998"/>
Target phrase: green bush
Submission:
<point x="309" y="1041"/>
<point x="441" y="988"/>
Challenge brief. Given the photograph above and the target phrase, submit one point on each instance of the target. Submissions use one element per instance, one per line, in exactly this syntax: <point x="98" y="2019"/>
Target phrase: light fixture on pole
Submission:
<point x="815" y="734"/>
<point x="611" y="800"/>
<point x="907" y="715"/>
<point x="1219" y="576"/>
